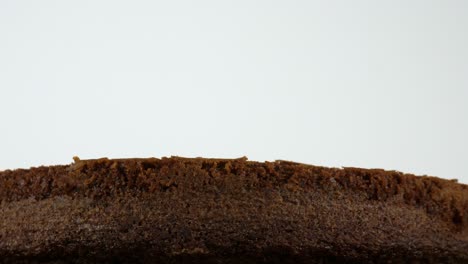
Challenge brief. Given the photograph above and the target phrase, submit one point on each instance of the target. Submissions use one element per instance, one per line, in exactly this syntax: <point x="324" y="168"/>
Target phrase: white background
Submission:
<point x="375" y="84"/>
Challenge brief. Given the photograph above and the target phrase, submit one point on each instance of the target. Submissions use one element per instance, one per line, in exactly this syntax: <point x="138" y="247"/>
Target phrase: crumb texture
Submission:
<point x="195" y="210"/>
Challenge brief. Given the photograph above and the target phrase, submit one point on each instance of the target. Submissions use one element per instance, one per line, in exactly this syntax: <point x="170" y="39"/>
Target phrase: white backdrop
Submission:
<point x="375" y="84"/>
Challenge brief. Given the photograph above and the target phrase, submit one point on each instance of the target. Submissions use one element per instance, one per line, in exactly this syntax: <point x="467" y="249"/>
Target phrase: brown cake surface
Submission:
<point x="184" y="210"/>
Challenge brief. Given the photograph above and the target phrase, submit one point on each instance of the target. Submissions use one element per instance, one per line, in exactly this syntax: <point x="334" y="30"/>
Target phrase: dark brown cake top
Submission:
<point x="104" y="177"/>
<point x="228" y="211"/>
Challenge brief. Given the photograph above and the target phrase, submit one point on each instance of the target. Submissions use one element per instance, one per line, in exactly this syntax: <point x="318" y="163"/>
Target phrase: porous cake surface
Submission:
<point x="195" y="210"/>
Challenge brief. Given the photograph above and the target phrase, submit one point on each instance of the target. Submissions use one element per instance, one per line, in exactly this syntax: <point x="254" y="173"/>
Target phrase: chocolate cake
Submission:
<point x="195" y="210"/>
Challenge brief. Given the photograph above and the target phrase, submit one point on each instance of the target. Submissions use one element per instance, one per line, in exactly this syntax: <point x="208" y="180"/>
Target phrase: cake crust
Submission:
<point x="174" y="210"/>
